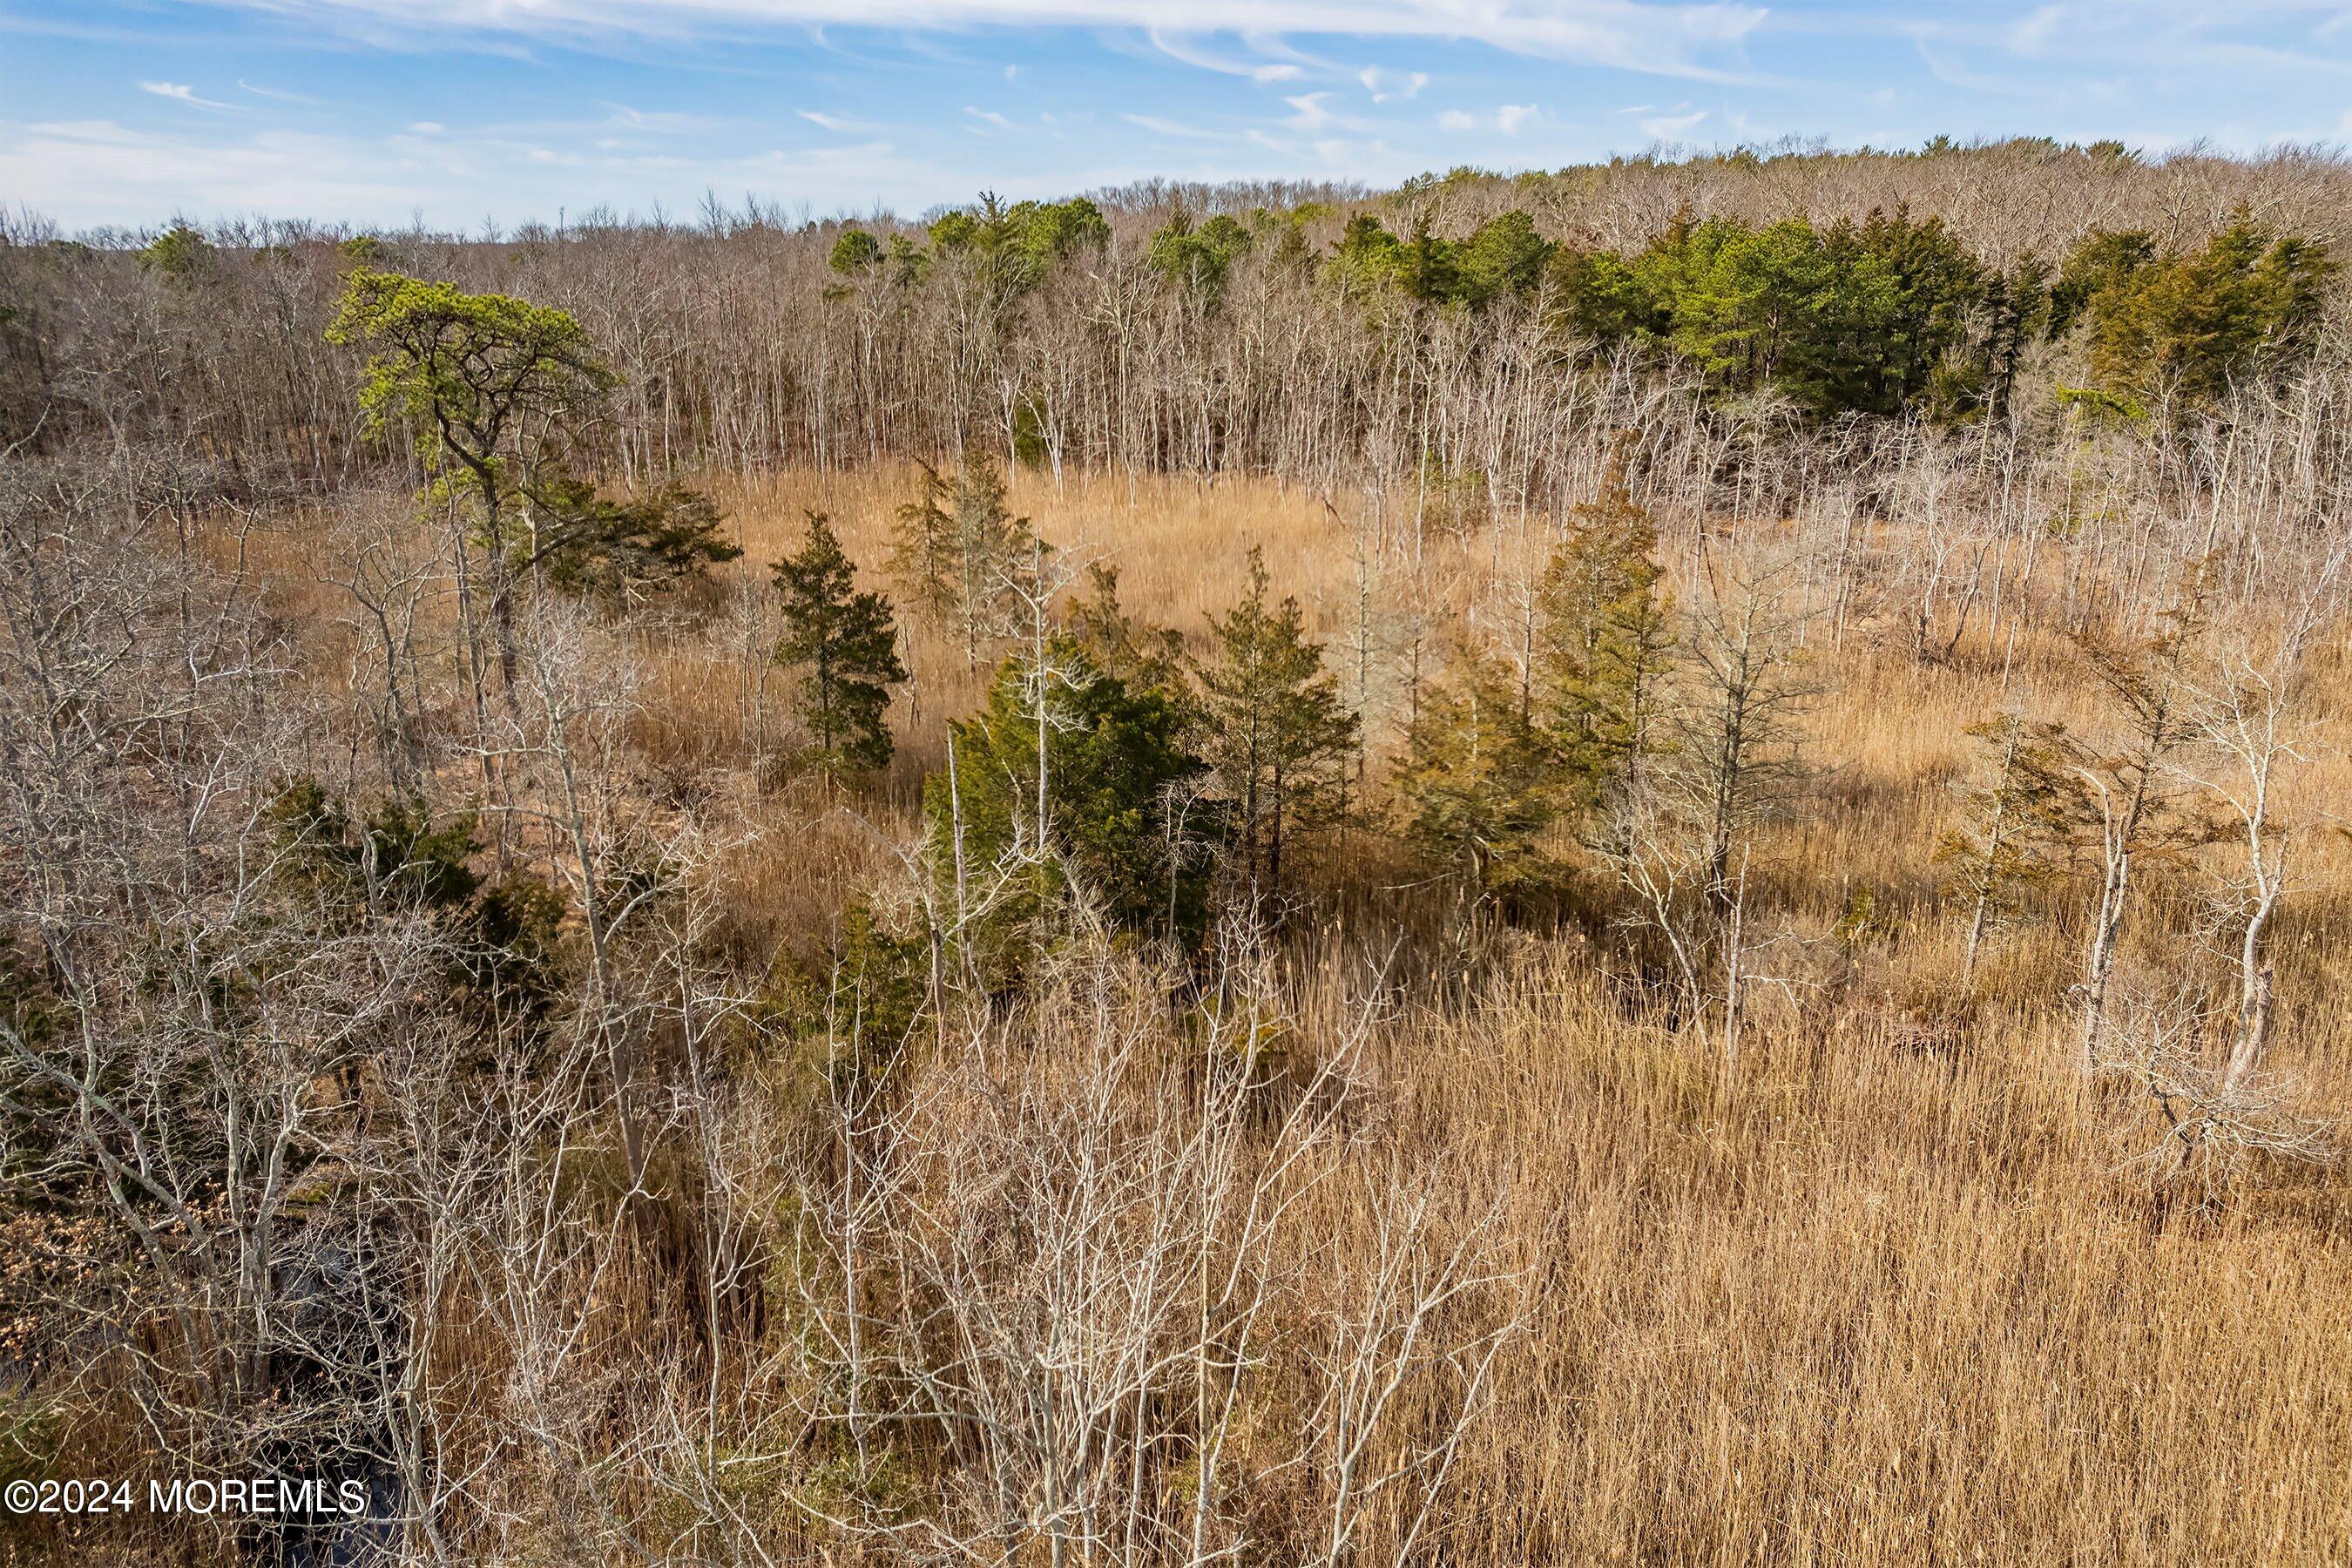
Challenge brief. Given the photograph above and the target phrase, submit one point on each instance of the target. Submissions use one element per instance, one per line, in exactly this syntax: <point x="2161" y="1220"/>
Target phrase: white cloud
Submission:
<point x="2031" y="35"/>
<point x="1160" y="126"/>
<point x="181" y="92"/>
<point x="1177" y="47"/>
<point x="86" y="172"/>
<point x="989" y="117"/>
<point x="628" y="118"/>
<point x="840" y="125"/>
<point x="427" y="127"/>
<point x="1505" y="118"/>
<point x="1311" y="114"/>
<point x="279" y="94"/>
<point x="1676" y="37"/>
<point x="1666" y="127"/>
<point x="1386" y="86"/>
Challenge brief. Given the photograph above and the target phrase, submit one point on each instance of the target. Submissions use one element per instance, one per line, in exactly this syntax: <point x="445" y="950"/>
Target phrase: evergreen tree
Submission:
<point x="621" y="549"/>
<point x="2026" y="810"/>
<point x="923" y="550"/>
<point x="1146" y="657"/>
<point x="1273" y="731"/>
<point x="480" y="379"/>
<point x="1607" y="644"/>
<point x="1103" y="823"/>
<point x="2194" y="326"/>
<point x="1474" y="782"/>
<point x="960" y="553"/>
<point x="844" y="643"/>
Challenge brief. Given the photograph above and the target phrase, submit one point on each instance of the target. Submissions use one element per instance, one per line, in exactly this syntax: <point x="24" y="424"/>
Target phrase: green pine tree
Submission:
<point x="1146" y="657"/>
<point x="923" y="550"/>
<point x="1107" y="824"/>
<point x="845" y="647"/>
<point x="1607" y="645"/>
<point x="1474" y="782"/>
<point x="1273" y="728"/>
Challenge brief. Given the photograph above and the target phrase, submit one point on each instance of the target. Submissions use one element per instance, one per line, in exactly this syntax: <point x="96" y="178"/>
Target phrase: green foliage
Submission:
<point x="622" y="549"/>
<point x="1019" y="245"/>
<point x="366" y="249"/>
<point x="1274" y="731"/>
<point x="923" y="547"/>
<point x="960" y="554"/>
<point x="1504" y="256"/>
<point x="1607" y="644"/>
<point x="1852" y="317"/>
<point x="1368" y="257"/>
<point x="398" y="857"/>
<point x="854" y="252"/>
<point x="2244" y="306"/>
<point x="179" y="255"/>
<point x="480" y="380"/>
<point x="2018" y="310"/>
<point x="2104" y="260"/>
<point x="1475" y="784"/>
<point x="846" y="649"/>
<point x="463" y="369"/>
<point x="1114" y="824"/>
<point x="1199" y="258"/>
<point x="861" y="1000"/>
<point x="1147" y="659"/>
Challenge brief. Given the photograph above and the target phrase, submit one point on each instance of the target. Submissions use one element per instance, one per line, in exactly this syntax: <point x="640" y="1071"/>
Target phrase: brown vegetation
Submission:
<point x="1860" y="1121"/>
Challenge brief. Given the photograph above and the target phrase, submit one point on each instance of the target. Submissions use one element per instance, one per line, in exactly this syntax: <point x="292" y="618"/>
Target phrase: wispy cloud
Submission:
<point x="840" y="125"/>
<point x="1160" y="126"/>
<point x="625" y="118"/>
<point x="1387" y="86"/>
<point x="279" y="95"/>
<point x="181" y="92"/>
<point x="1176" y="46"/>
<point x="1666" y="127"/>
<point x="989" y="117"/>
<point x="1671" y="37"/>
<point x="1311" y="112"/>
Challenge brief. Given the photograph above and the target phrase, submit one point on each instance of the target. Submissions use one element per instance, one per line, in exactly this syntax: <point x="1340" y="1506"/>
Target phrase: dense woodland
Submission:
<point x="1642" y="864"/>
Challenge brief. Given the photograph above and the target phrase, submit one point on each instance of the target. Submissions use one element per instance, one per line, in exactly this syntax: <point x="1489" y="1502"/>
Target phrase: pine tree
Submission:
<point x="1474" y="782"/>
<point x="1607" y="645"/>
<point x="2024" y="812"/>
<point x="993" y="550"/>
<point x="1273" y="729"/>
<point x="846" y="648"/>
<point x="960" y="554"/>
<point x="923" y="551"/>
<point x="1146" y="657"/>
<point x="1114" y="760"/>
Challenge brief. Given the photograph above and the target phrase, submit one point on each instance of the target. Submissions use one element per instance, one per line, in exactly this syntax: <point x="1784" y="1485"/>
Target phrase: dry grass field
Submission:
<point x="1895" y="1286"/>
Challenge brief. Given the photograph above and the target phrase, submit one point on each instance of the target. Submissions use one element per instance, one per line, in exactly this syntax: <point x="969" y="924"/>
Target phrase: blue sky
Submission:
<point x="461" y="112"/>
